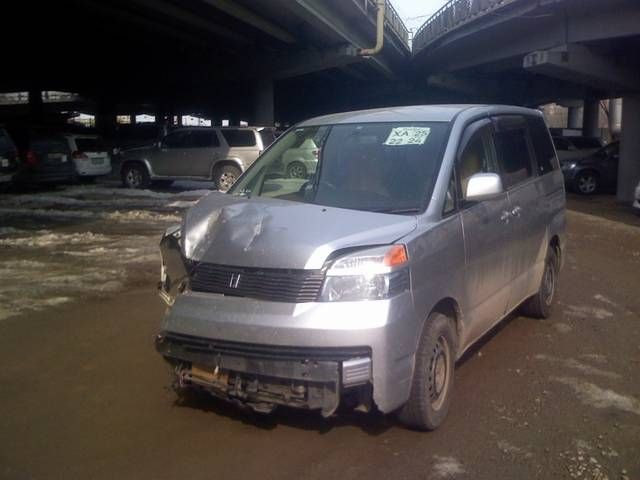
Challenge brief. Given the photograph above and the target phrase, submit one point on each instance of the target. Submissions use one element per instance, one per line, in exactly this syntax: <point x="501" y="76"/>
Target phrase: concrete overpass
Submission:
<point x="236" y="59"/>
<point x="531" y="52"/>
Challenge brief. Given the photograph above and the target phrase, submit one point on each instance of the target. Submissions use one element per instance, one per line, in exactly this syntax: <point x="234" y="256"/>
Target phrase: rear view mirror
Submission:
<point x="482" y="186"/>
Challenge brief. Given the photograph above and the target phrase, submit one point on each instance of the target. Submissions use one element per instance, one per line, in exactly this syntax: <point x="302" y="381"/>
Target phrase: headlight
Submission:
<point x="173" y="272"/>
<point x="373" y="274"/>
<point x="569" y="166"/>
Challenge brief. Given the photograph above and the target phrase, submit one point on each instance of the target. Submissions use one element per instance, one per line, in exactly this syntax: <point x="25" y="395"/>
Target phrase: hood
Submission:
<point x="268" y="233"/>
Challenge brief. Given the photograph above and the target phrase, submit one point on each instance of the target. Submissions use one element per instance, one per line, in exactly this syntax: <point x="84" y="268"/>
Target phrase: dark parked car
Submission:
<point x="8" y="159"/>
<point x="572" y="148"/>
<point x="595" y="172"/>
<point x="46" y="159"/>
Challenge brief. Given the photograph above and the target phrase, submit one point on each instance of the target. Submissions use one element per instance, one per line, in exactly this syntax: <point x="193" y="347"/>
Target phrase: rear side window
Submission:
<point x="5" y="142"/>
<point x="239" y="138"/>
<point x="586" y="142"/>
<point x="561" y="144"/>
<point x="267" y="136"/>
<point x="514" y="155"/>
<point x="53" y="145"/>
<point x="203" y="139"/>
<point x="545" y="155"/>
<point x="90" y="145"/>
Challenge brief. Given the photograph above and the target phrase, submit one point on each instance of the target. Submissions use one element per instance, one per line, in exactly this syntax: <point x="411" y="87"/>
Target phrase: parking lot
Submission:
<point x="84" y="395"/>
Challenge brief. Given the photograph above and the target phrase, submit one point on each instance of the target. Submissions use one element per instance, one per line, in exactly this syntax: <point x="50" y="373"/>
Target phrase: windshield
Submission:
<point x="381" y="167"/>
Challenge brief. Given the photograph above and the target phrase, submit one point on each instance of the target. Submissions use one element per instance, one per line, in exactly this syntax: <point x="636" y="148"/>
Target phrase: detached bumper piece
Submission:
<point x="263" y="377"/>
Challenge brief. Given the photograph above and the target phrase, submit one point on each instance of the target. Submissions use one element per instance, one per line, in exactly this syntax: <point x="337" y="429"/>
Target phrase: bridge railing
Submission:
<point x="392" y="19"/>
<point x="453" y="14"/>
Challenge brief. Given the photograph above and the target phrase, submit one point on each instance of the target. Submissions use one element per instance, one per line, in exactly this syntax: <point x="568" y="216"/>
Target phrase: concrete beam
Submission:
<point x="577" y="64"/>
<point x="313" y="11"/>
<point x="247" y="16"/>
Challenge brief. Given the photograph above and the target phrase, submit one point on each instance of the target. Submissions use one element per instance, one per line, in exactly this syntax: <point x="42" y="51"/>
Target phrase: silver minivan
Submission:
<point x="195" y="153"/>
<point x="363" y="283"/>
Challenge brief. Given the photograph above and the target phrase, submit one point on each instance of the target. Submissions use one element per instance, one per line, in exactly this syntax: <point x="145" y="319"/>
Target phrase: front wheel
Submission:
<point x="135" y="175"/>
<point x="432" y="383"/>
<point x="226" y="176"/>
<point x="587" y="183"/>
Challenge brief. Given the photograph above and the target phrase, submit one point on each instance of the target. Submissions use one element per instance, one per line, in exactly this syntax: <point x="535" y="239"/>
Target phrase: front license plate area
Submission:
<point x="213" y="376"/>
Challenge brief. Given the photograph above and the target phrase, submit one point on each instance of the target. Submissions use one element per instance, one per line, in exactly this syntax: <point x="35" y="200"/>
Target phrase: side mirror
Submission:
<point x="483" y="186"/>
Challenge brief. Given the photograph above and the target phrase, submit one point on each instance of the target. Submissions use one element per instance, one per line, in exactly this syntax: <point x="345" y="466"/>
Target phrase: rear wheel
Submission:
<point x="135" y="175"/>
<point x="432" y="384"/>
<point x="541" y="304"/>
<point x="226" y="176"/>
<point x="587" y="183"/>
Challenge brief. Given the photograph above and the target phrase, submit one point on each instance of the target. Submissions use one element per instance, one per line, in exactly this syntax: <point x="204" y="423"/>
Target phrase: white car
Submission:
<point x="636" y="202"/>
<point x="89" y="155"/>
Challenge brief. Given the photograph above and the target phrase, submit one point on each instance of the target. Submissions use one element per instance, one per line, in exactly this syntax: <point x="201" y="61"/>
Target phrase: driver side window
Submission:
<point x="477" y="156"/>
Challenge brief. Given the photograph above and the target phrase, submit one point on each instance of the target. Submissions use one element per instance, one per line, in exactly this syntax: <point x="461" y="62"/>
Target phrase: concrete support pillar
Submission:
<point x="629" y="163"/>
<point x="574" y="117"/>
<point x="590" y="118"/>
<point x="264" y="103"/>
<point x="615" y="117"/>
<point x="36" y="107"/>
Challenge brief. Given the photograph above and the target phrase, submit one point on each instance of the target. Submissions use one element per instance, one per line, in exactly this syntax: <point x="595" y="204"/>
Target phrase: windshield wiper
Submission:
<point x="397" y="210"/>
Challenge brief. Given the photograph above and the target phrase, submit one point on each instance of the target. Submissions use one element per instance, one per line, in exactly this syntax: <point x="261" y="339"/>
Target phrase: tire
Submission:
<point x="432" y="383"/>
<point x="226" y="176"/>
<point x="135" y="175"/>
<point x="296" y="170"/>
<point x="587" y="183"/>
<point x="540" y="305"/>
<point x="161" y="183"/>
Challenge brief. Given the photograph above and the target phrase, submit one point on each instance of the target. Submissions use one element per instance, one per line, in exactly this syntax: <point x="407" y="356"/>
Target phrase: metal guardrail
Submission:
<point x="452" y="15"/>
<point x="392" y="19"/>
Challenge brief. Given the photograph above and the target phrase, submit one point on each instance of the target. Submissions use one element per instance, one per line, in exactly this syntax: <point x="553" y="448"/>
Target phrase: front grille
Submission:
<point x="278" y="285"/>
<point x="189" y="343"/>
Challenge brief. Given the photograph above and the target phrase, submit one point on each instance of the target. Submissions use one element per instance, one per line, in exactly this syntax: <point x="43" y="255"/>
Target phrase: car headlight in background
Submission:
<point x="372" y="274"/>
<point x="569" y="165"/>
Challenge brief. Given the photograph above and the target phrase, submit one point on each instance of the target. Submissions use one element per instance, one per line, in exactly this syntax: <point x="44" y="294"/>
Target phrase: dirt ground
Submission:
<point x="84" y="395"/>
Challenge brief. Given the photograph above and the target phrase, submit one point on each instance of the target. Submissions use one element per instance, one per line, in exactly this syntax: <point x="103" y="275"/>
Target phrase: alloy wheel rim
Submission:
<point x="134" y="177"/>
<point x="296" y="171"/>
<point x="439" y="373"/>
<point x="226" y="181"/>
<point x="587" y="184"/>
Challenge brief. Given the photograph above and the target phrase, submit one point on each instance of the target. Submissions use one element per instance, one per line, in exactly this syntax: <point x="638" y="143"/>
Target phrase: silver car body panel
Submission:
<point x="469" y="261"/>
<point x="194" y="163"/>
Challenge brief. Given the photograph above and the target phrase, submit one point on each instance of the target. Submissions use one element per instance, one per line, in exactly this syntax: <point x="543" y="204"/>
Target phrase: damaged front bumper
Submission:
<point x="263" y="377"/>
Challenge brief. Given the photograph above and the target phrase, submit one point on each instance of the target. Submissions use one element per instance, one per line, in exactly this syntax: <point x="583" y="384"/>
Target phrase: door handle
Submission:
<point x="504" y="217"/>
<point x="516" y="211"/>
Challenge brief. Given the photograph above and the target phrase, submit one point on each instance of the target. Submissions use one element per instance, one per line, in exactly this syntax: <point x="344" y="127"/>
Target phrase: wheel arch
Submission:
<point x="141" y="161"/>
<point x="449" y="307"/>
<point x="235" y="162"/>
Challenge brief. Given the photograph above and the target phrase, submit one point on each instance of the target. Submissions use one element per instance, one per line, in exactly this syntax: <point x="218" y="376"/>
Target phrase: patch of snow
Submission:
<point x="597" y="397"/>
<point x="579" y="366"/>
<point x="603" y="299"/>
<point x="562" y="327"/>
<point x="586" y="312"/>
<point x="447" y="467"/>
<point x="128" y="216"/>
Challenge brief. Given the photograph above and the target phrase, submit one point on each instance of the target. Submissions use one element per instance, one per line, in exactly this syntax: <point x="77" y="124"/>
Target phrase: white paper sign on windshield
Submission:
<point x="408" y="136"/>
